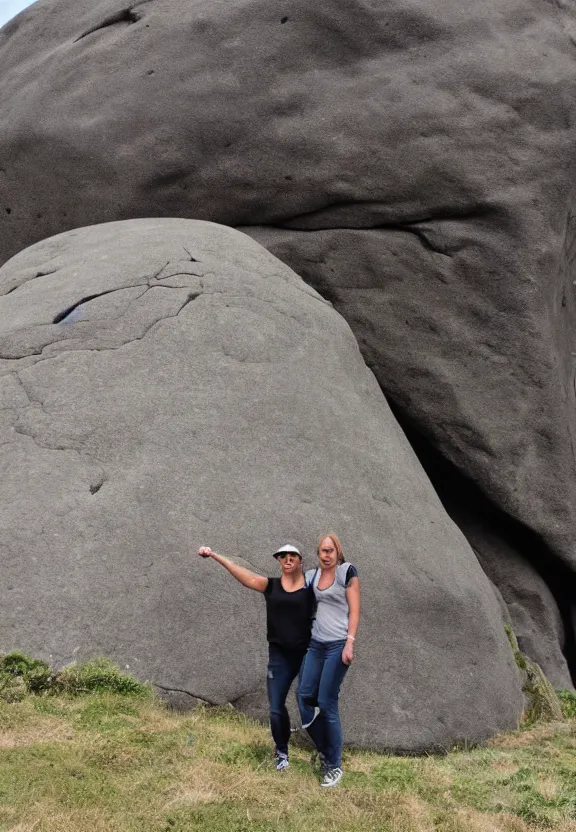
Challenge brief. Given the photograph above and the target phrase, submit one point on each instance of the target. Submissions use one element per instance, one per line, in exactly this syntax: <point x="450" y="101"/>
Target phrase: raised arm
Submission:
<point x="353" y="598"/>
<point x="245" y="576"/>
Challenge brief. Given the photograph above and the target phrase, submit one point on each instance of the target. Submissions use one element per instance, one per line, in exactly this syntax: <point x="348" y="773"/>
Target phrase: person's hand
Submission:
<point x="348" y="653"/>
<point x="205" y="552"/>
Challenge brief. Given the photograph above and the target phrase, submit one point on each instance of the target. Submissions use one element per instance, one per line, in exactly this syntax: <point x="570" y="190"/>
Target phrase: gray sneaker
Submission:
<point x="282" y="762"/>
<point x="332" y="777"/>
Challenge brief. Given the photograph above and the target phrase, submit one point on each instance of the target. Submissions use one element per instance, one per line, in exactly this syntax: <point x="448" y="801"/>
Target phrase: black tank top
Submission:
<point x="289" y="615"/>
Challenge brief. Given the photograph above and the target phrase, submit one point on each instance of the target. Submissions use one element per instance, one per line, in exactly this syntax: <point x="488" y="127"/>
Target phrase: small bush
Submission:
<point x="97" y="675"/>
<point x="12" y="688"/>
<point x="568" y="701"/>
<point x="20" y="674"/>
<point x="19" y="664"/>
<point x="26" y="674"/>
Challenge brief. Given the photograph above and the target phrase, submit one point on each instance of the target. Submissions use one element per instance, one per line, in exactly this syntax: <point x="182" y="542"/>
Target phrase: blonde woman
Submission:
<point x="336" y="588"/>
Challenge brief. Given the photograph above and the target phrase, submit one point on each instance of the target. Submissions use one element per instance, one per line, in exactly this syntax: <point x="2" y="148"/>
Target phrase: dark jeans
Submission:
<point x="283" y="667"/>
<point x="322" y="674"/>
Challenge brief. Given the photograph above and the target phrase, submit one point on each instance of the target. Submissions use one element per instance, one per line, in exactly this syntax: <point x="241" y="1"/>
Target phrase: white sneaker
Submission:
<point x="316" y="712"/>
<point x="332" y="777"/>
<point x="282" y="762"/>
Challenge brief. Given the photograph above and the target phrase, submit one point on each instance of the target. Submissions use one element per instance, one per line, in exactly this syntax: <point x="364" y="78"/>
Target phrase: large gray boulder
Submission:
<point x="169" y="383"/>
<point x="411" y="161"/>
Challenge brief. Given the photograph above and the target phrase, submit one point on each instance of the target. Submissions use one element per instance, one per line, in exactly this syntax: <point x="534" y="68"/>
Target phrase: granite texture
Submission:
<point x="412" y="161"/>
<point x="169" y="383"/>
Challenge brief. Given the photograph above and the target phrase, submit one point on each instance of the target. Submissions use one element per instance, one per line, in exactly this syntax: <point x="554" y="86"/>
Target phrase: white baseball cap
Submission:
<point x="288" y="549"/>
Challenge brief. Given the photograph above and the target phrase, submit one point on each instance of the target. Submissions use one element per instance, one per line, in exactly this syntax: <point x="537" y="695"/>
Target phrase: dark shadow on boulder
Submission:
<point x="474" y="512"/>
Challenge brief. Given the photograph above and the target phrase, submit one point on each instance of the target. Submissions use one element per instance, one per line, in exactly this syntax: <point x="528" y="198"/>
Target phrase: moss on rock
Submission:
<point x="542" y="701"/>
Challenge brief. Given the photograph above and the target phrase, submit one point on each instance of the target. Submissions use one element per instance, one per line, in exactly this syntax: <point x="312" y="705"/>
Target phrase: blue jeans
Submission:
<point x="283" y="667"/>
<point x="321" y="676"/>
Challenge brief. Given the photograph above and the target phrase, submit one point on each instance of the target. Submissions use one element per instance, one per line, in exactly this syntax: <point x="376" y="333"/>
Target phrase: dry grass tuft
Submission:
<point x="536" y="734"/>
<point x="500" y="822"/>
<point x="49" y="730"/>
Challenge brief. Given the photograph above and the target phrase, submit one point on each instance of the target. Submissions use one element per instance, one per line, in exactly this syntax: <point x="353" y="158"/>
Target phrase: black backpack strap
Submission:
<point x="312" y="595"/>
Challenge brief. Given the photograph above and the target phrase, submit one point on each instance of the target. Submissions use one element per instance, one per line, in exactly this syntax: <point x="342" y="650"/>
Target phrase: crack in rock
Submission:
<point x="161" y="281"/>
<point x="69" y="311"/>
<point x="22" y="431"/>
<point x="187" y="692"/>
<point x="94" y="485"/>
<point x="191" y="297"/>
<point x="445" y="214"/>
<point x="157" y="273"/>
<point x="192" y="259"/>
<point x="424" y="239"/>
<point x="19" y="286"/>
<point x="127" y="15"/>
<point x="61" y="318"/>
<point x="97" y="477"/>
<point x="409" y="226"/>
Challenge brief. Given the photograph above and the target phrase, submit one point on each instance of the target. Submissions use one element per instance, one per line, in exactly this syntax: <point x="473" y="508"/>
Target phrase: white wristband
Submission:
<point x="352" y="638"/>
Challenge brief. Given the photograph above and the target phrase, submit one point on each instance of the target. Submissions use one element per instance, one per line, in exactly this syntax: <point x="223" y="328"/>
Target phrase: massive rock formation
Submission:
<point x="167" y="383"/>
<point x="410" y="159"/>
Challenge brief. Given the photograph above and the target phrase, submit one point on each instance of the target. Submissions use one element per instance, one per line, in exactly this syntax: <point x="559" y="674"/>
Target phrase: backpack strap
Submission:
<point x="311" y="584"/>
<point x="314" y="601"/>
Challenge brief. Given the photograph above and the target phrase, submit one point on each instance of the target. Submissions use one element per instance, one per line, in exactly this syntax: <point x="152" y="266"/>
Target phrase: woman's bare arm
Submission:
<point x="247" y="578"/>
<point x="353" y="598"/>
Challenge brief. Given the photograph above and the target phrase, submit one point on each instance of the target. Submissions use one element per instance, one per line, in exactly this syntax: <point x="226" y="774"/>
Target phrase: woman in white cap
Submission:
<point x="289" y="612"/>
<point x="336" y="588"/>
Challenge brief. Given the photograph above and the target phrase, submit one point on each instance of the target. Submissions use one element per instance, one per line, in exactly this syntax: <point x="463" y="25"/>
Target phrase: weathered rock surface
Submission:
<point x="411" y="160"/>
<point x="195" y="389"/>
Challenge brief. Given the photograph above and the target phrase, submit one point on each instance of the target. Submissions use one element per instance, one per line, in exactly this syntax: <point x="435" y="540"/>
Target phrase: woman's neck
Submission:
<point x="292" y="579"/>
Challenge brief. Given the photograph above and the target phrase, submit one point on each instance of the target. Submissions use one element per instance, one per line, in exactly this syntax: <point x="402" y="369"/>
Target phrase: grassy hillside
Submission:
<point x="112" y="762"/>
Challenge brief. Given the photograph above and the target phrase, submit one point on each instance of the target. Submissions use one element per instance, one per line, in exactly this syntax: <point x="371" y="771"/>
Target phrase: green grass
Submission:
<point x="568" y="702"/>
<point x="20" y="674"/>
<point x="111" y="762"/>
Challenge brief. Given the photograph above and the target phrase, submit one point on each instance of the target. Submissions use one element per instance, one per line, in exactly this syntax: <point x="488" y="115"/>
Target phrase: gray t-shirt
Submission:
<point x="331" y="622"/>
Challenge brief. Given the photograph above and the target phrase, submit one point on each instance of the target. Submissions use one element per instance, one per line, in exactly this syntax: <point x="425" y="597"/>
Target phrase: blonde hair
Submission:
<point x="338" y="546"/>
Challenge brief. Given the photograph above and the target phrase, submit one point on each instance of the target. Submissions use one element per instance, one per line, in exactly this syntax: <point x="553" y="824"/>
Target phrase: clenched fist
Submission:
<point x="205" y="552"/>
